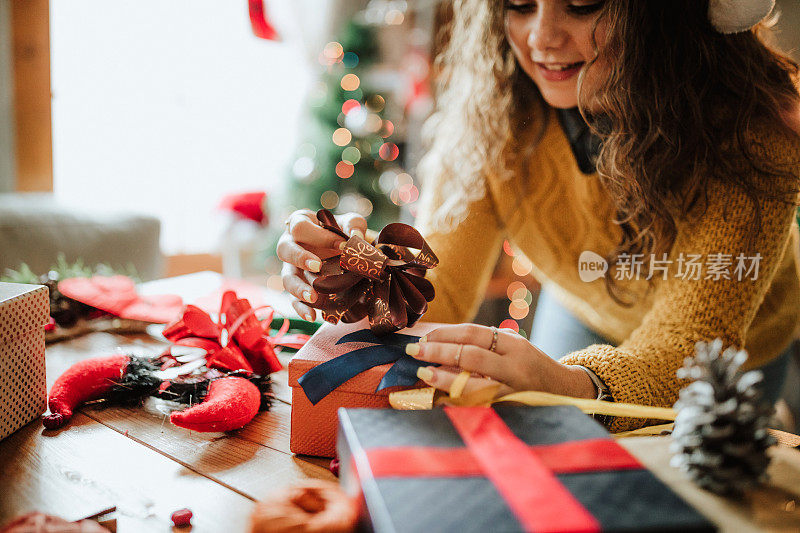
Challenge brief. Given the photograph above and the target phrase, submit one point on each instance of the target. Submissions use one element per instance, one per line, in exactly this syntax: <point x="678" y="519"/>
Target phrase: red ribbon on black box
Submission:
<point x="507" y="468"/>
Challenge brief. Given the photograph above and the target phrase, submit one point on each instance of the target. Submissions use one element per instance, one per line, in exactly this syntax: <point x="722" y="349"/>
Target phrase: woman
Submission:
<point x="699" y="166"/>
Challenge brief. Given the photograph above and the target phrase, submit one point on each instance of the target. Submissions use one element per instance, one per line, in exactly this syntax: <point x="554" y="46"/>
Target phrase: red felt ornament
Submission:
<point x="226" y="365"/>
<point x="231" y="403"/>
<point x="86" y="380"/>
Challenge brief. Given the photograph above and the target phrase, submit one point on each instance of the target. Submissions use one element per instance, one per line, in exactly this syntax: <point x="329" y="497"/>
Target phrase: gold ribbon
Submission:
<point x="421" y="399"/>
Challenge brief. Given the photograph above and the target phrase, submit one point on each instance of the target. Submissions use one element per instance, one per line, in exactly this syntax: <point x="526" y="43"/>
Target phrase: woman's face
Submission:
<point x="552" y="40"/>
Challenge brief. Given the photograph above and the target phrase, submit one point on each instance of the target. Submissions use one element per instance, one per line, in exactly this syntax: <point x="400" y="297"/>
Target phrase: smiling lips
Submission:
<point x="559" y="71"/>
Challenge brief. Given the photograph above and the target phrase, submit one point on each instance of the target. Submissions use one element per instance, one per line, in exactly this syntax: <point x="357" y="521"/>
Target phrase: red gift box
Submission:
<point x="24" y="312"/>
<point x="314" y="422"/>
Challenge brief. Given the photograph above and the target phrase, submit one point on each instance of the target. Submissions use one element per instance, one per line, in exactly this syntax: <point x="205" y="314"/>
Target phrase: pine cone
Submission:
<point x="720" y="437"/>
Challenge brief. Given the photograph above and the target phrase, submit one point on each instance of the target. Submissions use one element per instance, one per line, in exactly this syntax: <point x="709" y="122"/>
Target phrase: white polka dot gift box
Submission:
<point x="24" y="312"/>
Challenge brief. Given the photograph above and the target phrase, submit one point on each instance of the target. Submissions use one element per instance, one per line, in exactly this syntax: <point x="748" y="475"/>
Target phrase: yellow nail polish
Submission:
<point x="313" y="265"/>
<point x="412" y="349"/>
<point x="342" y="245"/>
<point x="424" y="373"/>
<point x="422" y="339"/>
<point x="307" y="296"/>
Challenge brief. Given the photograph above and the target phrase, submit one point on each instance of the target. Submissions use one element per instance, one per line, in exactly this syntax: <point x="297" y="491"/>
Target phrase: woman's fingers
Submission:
<point x="442" y="378"/>
<point x="304" y="230"/>
<point x="481" y="336"/>
<point x="466" y="356"/>
<point x="293" y="254"/>
<point x="296" y="285"/>
<point x="353" y="223"/>
<point x="308" y="313"/>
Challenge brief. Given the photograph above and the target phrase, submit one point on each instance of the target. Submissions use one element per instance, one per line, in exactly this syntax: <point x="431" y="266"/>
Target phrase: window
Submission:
<point x="163" y="107"/>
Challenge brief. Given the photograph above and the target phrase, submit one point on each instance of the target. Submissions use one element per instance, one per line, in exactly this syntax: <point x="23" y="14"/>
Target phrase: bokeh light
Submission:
<point x="344" y="169"/>
<point x="521" y="266"/>
<point x="376" y="103"/>
<point x="408" y="193"/>
<point x="387" y="180"/>
<point x="520" y="294"/>
<point x="403" y="179"/>
<point x="350" y="82"/>
<point x="508" y="249"/>
<point x="303" y="167"/>
<point x="510" y="324"/>
<point x="518" y="309"/>
<point x="364" y="207"/>
<point x="387" y="128"/>
<point x="350" y="59"/>
<point x="513" y="288"/>
<point x="342" y="137"/>
<point x="350" y="105"/>
<point x="373" y="123"/>
<point x="351" y="154"/>
<point x="333" y="51"/>
<point x="329" y="199"/>
<point x="388" y="151"/>
<point x="355" y="120"/>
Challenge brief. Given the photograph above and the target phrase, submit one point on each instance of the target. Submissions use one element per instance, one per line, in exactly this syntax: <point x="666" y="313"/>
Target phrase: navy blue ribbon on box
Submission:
<point x="388" y="348"/>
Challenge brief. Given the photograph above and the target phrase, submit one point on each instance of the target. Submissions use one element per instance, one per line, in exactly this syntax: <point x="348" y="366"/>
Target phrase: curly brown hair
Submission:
<point x="673" y="114"/>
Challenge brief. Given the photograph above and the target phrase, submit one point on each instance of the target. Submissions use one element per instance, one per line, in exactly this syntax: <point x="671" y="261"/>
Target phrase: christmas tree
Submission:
<point x="349" y="162"/>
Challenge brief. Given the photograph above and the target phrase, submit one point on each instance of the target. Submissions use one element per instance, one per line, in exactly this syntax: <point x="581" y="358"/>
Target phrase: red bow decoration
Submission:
<point x="385" y="281"/>
<point x="239" y="341"/>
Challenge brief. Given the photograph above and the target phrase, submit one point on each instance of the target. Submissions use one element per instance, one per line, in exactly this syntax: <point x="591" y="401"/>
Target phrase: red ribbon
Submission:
<point x="523" y="475"/>
<point x="591" y="455"/>
<point x="240" y="342"/>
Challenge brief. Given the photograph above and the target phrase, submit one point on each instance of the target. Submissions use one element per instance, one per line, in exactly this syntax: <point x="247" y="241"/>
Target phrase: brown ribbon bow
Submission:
<point x="385" y="281"/>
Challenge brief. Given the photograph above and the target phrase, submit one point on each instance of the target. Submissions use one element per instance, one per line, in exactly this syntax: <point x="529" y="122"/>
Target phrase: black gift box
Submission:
<point x="399" y="496"/>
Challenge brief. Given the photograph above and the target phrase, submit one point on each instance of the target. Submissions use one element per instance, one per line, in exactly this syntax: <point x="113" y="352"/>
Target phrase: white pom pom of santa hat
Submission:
<point x="734" y="16"/>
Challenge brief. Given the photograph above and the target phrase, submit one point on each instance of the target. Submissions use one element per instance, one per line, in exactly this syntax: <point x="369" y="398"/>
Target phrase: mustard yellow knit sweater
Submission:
<point x="567" y="212"/>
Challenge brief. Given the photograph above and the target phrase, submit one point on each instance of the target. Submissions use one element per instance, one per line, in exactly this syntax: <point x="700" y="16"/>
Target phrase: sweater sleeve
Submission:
<point x="642" y="369"/>
<point x="467" y="251"/>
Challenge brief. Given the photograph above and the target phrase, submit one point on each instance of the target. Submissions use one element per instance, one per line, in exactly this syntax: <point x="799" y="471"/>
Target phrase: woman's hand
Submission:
<point x="303" y="246"/>
<point x="515" y="363"/>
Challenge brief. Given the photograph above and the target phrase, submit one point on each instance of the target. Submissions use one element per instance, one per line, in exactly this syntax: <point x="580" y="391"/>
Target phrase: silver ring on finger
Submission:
<point x="458" y="355"/>
<point x="495" y="333"/>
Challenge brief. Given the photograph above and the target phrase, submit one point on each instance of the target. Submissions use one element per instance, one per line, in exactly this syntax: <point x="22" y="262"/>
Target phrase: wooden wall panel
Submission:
<point x="30" y="21"/>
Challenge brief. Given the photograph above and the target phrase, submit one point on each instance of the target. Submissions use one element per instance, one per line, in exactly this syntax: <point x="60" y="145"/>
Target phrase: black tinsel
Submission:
<point x="139" y="382"/>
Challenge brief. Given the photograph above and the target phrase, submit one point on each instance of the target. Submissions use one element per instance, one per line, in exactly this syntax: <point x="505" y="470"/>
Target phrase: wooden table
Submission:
<point x="135" y="460"/>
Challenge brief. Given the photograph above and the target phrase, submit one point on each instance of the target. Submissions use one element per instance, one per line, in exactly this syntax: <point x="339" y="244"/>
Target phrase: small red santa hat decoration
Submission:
<point x="734" y="16"/>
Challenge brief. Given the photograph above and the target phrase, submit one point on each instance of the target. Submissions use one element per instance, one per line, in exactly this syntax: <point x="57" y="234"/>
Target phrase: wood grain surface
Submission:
<point x="134" y="459"/>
